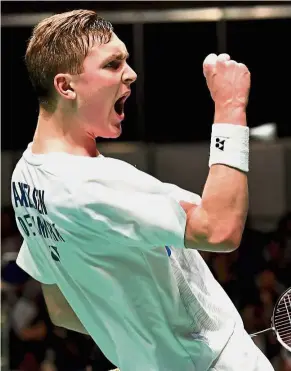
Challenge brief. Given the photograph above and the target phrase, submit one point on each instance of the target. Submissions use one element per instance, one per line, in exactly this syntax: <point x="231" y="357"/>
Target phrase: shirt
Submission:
<point x="112" y="238"/>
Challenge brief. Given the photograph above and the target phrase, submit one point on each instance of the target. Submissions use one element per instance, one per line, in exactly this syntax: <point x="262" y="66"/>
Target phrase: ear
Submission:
<point x="62" y="84"/>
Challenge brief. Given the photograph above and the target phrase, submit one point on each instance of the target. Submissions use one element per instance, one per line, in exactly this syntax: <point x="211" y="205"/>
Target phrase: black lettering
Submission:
<point x="27" y="190"/>
<point x="23" y="194"/>
<point x="51" y="232"/>
<point x="57" y="233"/>
<point x="34" y="197"/>
<point x="16" y="195"/>
<point x="32" y="217"/>
<point x="41" y="205"/>
<point x="27" y="219"/>
<point x="42" y="228"/>
<point x="24" y="227"/>
<point x="54" y="253"/>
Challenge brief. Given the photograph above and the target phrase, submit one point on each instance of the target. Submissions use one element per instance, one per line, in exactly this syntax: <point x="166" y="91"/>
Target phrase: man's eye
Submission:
<point x="114" y="65"/>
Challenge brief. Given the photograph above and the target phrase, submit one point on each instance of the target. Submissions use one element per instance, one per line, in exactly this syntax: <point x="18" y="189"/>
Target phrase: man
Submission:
<point x="116" y="249"/>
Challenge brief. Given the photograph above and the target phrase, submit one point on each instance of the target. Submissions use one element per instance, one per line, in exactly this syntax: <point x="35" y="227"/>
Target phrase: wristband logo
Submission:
<point x="220" y="143"/>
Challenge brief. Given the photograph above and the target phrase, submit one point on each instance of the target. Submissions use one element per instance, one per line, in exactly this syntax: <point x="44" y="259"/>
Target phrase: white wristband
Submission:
<point x="230" y="146"/>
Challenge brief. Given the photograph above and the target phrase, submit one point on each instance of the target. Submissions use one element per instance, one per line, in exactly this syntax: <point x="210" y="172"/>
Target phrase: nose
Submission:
<point x="129" y="75"/>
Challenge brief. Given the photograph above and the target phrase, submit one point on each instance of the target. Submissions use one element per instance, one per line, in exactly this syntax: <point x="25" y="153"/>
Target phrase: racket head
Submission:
<point x="281" y="319"/>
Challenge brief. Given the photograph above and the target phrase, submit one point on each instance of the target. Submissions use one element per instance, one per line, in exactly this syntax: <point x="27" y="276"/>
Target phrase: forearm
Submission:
<point x="225" y="204"/>
<point x="60" y="311"/>
<point x="66" y="317"/>
<point x="72" y="324"/>
<point x="225" y="195"/>
<point x="218" y="222"/>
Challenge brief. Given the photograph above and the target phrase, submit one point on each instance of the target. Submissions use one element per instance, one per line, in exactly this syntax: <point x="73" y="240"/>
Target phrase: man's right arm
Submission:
<point x="218" y="222"/>
<point x="134" y="212"/>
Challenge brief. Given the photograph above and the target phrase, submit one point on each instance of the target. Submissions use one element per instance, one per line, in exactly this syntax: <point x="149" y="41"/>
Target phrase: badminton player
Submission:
<point x="116" y="250"/>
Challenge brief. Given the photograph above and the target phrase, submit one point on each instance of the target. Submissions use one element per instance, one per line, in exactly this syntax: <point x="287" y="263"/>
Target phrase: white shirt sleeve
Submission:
<point x="36" y="269"/>
<point x="132" y="215"/>
<point x="181" y="194"/>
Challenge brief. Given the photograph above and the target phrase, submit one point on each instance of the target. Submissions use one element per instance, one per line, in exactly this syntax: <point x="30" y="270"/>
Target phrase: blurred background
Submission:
<point x="166" y="133"/>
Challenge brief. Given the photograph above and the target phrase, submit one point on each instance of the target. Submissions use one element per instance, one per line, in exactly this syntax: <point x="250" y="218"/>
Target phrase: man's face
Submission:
<point x="106" y="77"/>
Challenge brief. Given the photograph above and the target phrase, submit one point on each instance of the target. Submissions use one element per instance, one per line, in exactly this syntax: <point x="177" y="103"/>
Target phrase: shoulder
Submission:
<point x="119" y="176"/>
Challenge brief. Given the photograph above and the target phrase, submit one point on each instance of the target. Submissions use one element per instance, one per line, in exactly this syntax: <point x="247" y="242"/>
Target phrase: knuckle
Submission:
<point x="207" y="65"/>
<point x="210" y="59"/>
<point x="230" y="64"/>
<point x="223" y="57"/>
<point x="243" y="67"/>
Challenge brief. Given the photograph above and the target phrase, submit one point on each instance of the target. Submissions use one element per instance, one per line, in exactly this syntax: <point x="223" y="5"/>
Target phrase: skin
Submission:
<point x="85" y="103"/>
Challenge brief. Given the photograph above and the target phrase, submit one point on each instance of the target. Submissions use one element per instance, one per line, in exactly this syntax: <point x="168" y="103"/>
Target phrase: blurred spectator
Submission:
<point x="99" y="362"/>
<point x="71" y="349"/>
<point x="284" y="231"/>
<point x="10" y="237"/>
<point x="251" y="315"/>
<point x="30" y="329"/>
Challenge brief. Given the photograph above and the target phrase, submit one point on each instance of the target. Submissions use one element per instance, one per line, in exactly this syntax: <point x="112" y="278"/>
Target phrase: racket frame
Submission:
<point x="273" y="320"/>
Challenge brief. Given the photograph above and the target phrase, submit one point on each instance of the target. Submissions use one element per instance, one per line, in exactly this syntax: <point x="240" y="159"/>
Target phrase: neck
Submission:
<point x="59" y="132"/>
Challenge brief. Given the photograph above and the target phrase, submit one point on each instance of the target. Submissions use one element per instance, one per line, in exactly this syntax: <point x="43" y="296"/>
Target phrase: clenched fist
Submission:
<point x="228" y="81"/>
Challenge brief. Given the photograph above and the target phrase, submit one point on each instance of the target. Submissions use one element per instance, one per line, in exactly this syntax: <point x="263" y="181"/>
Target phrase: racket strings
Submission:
<point x="282" y="319"/>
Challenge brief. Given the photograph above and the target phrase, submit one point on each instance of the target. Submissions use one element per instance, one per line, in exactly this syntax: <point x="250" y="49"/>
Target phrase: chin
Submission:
<point x="113" y="133"/>
<point x="117" y="132"/>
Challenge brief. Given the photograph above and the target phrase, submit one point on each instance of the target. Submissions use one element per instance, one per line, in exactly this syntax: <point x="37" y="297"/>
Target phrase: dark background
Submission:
<point x="175" y="104"/>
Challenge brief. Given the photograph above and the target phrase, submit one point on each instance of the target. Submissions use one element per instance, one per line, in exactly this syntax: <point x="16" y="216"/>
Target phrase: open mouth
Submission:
<point x="119" y="104"/>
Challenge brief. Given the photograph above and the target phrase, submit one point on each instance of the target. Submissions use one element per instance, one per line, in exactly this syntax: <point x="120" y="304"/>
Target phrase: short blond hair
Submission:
<point x="59" y="44"/>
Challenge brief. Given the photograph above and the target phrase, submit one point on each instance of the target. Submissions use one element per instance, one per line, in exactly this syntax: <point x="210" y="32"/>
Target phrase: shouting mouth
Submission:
<point x="119" y="105"/>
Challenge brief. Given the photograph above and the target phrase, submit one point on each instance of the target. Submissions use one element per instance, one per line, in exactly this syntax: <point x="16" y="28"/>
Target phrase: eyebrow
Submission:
<point x="120" y="56"/>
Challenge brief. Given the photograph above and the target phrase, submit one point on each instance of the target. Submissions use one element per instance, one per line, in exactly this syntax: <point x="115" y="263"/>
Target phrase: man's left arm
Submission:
<point x="60" y="311"/>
